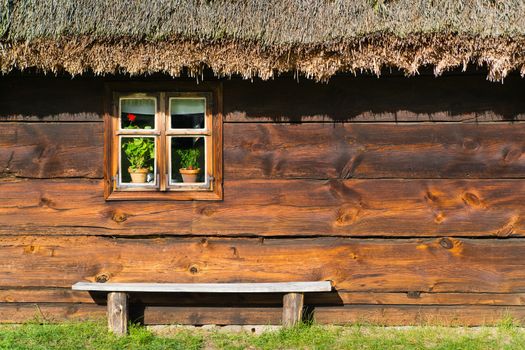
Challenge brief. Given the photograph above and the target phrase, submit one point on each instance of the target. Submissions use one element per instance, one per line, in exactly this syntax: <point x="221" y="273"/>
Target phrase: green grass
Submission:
<point x="94" y="336"/>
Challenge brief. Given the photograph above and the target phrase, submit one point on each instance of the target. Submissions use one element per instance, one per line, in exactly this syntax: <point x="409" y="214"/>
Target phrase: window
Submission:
<point x="163" y="144"/>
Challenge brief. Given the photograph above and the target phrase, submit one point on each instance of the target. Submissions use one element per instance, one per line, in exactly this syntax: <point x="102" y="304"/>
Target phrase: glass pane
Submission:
<point x="137" y="159"/>
<point x="188" y="160"/>
<point x="137" y="113"/>
<point x="187" y="113"/>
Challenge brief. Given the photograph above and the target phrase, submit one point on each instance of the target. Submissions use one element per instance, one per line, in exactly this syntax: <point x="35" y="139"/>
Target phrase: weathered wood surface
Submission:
<point x="53" y="99"/>
<point x="51" y="150"/>
<point x="47" y="150"/>
<point x="274" y="208"/>
<point x="66" y="295"/>
<point x="363" y="265"/>
<point x="418" y="315"/>
<point x="387" y="315"/>
<point x="394" y="99"/>
<point x="212" y="315"/>
<point x="292" y="309"/>
<point x="43" y="295"/>
<point x="50" y="312"/>
<point x="118" y="313"/>
<point x="271" y="287"/>
<point x="425" y="98"/>
<point x="323" y="151"/>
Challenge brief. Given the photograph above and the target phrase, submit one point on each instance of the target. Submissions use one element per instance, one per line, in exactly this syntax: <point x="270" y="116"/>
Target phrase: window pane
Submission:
<point x="137" y="113"/>
<point x="188" y="160"/>
<point x="137" y="160"/>
<point x="187" y="113"/>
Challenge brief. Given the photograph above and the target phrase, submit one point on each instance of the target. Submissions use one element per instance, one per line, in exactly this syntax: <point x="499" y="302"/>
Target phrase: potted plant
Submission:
<point x="189" y="165"/>
<point x="140" y="151"/>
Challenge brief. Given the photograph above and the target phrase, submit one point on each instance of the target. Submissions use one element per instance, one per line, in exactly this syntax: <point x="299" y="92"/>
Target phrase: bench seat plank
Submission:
<point x="280" y="287"/>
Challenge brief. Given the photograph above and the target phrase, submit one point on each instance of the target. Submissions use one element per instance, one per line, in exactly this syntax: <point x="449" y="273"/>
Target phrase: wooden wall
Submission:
<point x="408" y="193"/>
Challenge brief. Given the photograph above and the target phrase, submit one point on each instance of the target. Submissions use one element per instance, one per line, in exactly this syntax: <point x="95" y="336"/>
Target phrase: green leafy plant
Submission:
<point x="140" y="151"/>
<point x="188" y="158"/>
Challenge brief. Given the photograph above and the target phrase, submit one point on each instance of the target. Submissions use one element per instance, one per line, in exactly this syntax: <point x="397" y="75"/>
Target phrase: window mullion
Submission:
<point x="162" y="152"/>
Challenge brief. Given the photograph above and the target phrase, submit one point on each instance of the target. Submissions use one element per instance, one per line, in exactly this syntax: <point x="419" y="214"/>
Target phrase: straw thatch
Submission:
<point x="316" y="38"/>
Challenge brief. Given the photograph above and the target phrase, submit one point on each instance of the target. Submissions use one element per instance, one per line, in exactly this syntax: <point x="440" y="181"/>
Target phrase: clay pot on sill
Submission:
<point x="189" y="175"/>
<point x="138" y="175"/>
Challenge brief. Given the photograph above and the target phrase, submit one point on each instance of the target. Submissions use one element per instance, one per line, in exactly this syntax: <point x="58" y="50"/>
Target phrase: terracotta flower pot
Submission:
<point x="138" y="175"/>
<point x="189" y="175"/>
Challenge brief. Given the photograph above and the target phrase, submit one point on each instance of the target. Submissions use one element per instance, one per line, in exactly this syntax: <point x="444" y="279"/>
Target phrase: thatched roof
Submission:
<point x="264" y="38"/>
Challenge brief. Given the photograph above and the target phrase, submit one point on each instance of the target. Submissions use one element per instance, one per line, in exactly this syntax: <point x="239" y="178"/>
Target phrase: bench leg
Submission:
<point x="292" y="309"/>
<point x="118" y="313"/>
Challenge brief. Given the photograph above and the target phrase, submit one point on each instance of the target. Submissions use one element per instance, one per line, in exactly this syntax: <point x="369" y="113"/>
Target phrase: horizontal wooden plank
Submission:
<point x="44" y="295"/>
<point x="274" y="208"/>
<point x="373" y="314"/>
<point x="341" y="297"/>
<point x="418" y="298"/>
<point x="275" y="287"/>
<point x="51" y="99"/>
<point x="48" y="150"/>
<point x="362" y="265"/>
<point x="60" y="117"/>
<point x="367" y="99"/>
<point x="467" y="98"/>
<point x="323" y="151"/>
<point x="49" y="312"/>
<point x="418" y="315"/>
<point x="383" y="315"/>
<point x="211" y="315"/>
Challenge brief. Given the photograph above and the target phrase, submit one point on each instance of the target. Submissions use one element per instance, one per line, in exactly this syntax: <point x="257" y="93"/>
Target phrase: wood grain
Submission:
<point x="49" y="312"/>
<point x="363" y="265"/>
<point x="322" y="151"/>
<point x="66" y="295"/>
<point x="368" y="99"/>
<point x="418" y="315"/>
<point x="211" y="315"/>
<point x="394" y="208"/>
<point x="118" y="313"/>
<point x="51" y="99"/>
<point x="313" y="150"/>
<point x="273" y="287"/>
<point x="465" y="98"/>
<point x="384" y="315"/>
<point x="292" y="309"/>
<point x="50" y="150"/>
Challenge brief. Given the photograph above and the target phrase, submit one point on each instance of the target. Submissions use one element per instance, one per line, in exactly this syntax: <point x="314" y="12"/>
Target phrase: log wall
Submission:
<point x="409" y="194"/>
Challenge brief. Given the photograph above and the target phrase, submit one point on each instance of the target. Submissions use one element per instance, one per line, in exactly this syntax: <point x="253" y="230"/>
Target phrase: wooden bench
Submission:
<point x="117" y="304"/>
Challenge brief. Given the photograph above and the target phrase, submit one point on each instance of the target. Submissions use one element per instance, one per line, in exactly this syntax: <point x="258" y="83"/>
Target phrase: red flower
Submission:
<point x="132" y="117"/>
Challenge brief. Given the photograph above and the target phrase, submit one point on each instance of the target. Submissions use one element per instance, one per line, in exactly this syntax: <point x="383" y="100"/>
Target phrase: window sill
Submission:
<point x="215" y="195"/>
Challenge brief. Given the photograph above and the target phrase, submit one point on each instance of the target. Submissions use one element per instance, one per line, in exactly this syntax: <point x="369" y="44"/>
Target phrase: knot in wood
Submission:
<point x="470" y="144"/>
<point x="234" y="252"/>
<point x="414" y="294"/>
<point x="510" y="155"/>
<point x="439" y="218"/>
<point x="430" y="197"/>
<point x="347" y="215"/>
<point x="471" y="199"/>
<point x="45" y="202"/>
<point x="119" y="217"/>
<point x="29" y="249"/>
<point x="102" y="278"/>
<point x="194" y="269"/>
<point x="207" y="211"/>
<point x="446" y="243"/>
